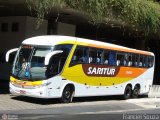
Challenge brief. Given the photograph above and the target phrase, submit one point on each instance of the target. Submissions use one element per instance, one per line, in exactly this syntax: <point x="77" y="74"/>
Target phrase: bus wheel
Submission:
<point x="67" y="94"/>
<point x="127" y="92"/>
<point x="135" y="92"/>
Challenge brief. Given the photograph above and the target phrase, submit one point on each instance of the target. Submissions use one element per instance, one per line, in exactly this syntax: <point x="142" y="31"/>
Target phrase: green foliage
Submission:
<point x="43" y="7"/>
<point x="140" y="15"/>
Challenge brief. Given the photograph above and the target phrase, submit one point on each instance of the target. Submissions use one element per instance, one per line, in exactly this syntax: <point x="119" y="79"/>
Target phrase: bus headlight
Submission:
<point x="44" y="84"/>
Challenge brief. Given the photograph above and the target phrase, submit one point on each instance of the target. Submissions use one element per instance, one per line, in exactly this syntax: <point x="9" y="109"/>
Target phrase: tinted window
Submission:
<point x="135" y="60"/>
<point x="112" y="58"/>
<point x="106" y="57"/>
<point x="64" y="47"/>
<point x="92" y="55"/>
<point x="99" y="58"/>
<point x="150" y="61"/>
<point x="129" y="59"/>
<point x="141" y="61"/>
<point x="145" y="64"/>
<point x="95" y="55"/>
<point x="120" y="59"/>
<point x="80" y="55"/>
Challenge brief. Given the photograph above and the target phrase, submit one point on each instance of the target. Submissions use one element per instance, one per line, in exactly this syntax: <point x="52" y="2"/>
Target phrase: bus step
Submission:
<point x="154" y="91"/>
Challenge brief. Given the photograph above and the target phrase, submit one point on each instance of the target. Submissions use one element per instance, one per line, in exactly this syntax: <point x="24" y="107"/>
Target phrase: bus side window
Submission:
<point x="122" y="59"/>
<point x="77" y="55"/>
<point x="99" y="56"/>
<point x="126" y="59"/>
<point x="80" y="55"/>
<point x="150" y="61"/>
<point x="106" y="57"/>
<point x="141" y="62"/>
<point x="112" y="58"/>
<point x="145" y="61"/>
<point x="135" y="60"/>
<point x="129" y="59"/>
<point x="118" y="59"/>
<point x="92" y="55"/>
<point x="85" y="54"/>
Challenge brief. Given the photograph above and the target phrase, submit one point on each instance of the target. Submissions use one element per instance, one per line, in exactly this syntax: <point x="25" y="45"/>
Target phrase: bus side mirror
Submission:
<point x="49" y="55"/>
<point x="9" y="52"/>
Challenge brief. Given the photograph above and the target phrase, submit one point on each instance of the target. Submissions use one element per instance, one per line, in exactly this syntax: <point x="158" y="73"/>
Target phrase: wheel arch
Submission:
<point x="68" y="92"/>
<point x="127" y="91"/>
<point x="136" y="90"/>
<point x="129" y="84"/>
<point x="138" y="85"/>
<point x="71" y="85"/>
<point x="68" y="84"/>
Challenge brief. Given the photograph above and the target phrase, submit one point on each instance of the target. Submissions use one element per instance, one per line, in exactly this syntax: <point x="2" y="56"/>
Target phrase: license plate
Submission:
<point x="22" y="91"/>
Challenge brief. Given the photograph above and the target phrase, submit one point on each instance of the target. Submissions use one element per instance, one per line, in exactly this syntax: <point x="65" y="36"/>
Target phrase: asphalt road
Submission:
<point x="131" y="115"/>
<point x="92" y="108"/>
<point x="149" y="114"/>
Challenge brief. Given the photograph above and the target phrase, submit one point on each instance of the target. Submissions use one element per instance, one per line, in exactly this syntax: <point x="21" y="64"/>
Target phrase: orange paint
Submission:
<point x="130" y="72"/>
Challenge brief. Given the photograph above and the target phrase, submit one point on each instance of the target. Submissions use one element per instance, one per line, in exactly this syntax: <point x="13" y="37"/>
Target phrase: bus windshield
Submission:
<point x="29" y="61"/>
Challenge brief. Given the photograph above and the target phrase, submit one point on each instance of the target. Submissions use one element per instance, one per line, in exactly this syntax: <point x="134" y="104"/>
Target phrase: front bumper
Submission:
<point x="34" y="92"/>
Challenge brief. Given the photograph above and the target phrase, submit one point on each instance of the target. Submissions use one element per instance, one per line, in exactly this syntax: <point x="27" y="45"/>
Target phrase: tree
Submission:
<point x="140" y="15"/>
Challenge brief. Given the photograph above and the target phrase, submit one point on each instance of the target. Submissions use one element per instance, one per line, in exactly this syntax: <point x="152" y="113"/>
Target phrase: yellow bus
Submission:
<point x="65" y="67"/>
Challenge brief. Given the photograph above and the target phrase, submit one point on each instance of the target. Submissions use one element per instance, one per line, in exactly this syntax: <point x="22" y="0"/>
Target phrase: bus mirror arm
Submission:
<point x="49" y="55"/>
<point x="9" y="52"/>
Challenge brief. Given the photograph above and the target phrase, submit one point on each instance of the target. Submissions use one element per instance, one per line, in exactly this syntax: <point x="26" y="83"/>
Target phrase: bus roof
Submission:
<point x="50" y="40"/>
<point x="47" y="40"/>
<point x="109" y="46"/>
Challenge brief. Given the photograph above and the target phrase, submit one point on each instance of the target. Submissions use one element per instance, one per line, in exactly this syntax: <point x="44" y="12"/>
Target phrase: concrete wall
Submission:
<point x="26" y="28"/>
<point x="65" y="29"/>
<point x="58" y="28"/>
<point x="31" y="27"/>
<point x="10" y="39"/>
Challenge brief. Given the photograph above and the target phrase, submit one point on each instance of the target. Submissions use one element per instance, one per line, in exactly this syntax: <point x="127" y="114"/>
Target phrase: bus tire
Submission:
<point x="127" y="92"/>
<point x="135" y="92"/>
<point x="67" y="94"/>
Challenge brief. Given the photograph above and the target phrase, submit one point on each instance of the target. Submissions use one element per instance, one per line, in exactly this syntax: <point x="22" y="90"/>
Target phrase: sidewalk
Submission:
<point x="146" y="102"/>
